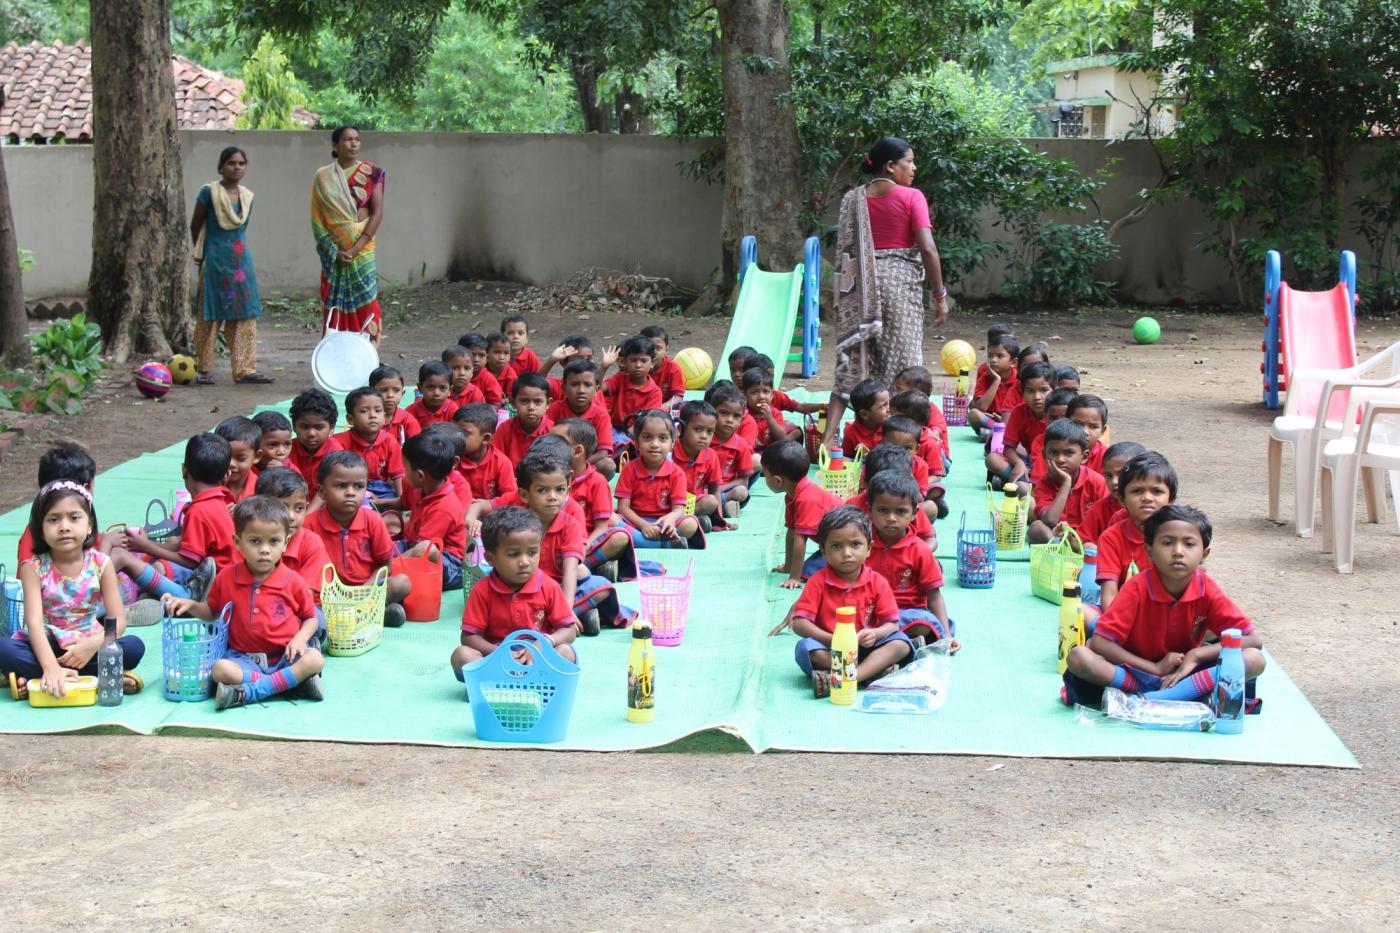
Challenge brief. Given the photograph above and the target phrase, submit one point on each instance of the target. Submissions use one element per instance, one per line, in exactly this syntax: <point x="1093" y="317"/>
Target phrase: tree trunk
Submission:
<point x="631" y="108"/>
<point x="762" y="176"/>
<point x="585" y="78"/>
<point x="138" y="286"/>
<point x="14" y="324"/>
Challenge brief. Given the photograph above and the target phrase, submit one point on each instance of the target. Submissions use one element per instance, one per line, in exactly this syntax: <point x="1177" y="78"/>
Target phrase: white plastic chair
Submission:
<point x="1366" y="453"/>
<point x="1319" y="402"/>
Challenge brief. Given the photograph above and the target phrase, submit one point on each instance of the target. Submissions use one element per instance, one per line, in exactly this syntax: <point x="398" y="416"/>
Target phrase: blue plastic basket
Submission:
<point x="514" y="702"/>
<point x="977" y="557"/>
<point x="11" y="604"/>
<point x="189" y="648"/>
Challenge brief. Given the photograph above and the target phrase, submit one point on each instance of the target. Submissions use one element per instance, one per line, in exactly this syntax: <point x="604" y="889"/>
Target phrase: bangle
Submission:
<point x="941" y="293"/>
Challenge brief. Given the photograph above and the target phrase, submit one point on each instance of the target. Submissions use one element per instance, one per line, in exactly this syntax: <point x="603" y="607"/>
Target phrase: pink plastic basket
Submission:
<point x="665" y="603"/>
<point x="955" y="409"/>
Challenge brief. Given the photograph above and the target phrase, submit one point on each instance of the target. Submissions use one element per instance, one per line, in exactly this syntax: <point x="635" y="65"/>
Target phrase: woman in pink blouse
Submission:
<point x="884" y="253"/>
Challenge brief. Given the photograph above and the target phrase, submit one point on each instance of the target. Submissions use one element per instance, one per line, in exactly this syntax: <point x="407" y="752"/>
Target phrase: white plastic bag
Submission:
<point x="920" y="687"/>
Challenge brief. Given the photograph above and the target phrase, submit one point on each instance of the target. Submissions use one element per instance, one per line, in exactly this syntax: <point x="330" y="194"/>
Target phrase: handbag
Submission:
<point x="1054" y="563"/>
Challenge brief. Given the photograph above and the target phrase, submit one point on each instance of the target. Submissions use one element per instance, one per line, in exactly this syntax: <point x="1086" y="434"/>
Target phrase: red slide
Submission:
<point x="1316" y="332"/>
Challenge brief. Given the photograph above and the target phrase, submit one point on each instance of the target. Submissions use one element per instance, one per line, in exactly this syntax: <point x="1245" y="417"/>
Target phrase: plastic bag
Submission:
<point x="1172" y="715"/>
<point x="920" y="687"/>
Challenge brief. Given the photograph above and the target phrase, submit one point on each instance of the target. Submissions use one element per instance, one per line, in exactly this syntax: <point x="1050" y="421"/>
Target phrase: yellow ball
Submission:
<point x="956" y="356"/>
<point x="182" y="369"/>
<point x="696" y="367"/>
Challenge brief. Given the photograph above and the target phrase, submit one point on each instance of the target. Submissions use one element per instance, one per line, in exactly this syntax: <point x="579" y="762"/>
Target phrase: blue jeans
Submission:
<point x="802" y="652"/>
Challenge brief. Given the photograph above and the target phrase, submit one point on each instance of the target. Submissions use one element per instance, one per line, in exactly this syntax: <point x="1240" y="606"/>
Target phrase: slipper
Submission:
<point x="204" y="379"/>
<point x="19" y="687"/>
<point x="821" y="684"/>
<point x="132" y="683"/>
<point x="254" y="379"/>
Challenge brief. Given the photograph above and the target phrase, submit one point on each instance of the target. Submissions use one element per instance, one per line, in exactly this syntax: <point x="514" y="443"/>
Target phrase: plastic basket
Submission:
<point x="514" y="702"/>
<point x="1011" y="536"/>
<point x="844" y="483"/>
<point x="665" y="604"/>
<point x="1053" y="563"/>
<point x="474" y="567"/>
<point x="354" y="614"/>
<point x="161" y="528"/>
<point x="812" y="435"/>
<point x="11" y="604"/>
<point x="188" y="650"/>
<point x="955" y="409"/>
<point x="977" y="557"/>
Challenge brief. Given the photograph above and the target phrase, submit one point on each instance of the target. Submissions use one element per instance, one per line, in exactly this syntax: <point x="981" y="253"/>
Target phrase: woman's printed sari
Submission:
<point x="349" y="290"/>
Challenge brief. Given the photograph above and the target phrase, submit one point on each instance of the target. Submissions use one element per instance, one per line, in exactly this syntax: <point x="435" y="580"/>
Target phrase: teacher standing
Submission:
<point x="347" y="206"/>
<point x="227" y="282"/>
<point x="884" y="254"/>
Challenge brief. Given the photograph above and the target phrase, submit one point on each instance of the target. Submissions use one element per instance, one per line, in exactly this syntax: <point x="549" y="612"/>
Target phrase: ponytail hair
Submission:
<point x="886" y="149"/>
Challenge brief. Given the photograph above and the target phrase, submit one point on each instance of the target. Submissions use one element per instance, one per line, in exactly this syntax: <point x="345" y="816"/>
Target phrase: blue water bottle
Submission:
<point x="1088" y="584"/>
<point x="1228" y="699"/>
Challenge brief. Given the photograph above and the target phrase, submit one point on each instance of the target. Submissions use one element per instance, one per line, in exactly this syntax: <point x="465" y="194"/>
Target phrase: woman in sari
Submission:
<point x="227" y="282"/>
<point x="884" y="253"/>
<point x="347" y="205"/>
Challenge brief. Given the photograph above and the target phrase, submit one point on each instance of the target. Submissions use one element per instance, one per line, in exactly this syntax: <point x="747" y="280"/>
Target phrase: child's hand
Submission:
<point x="650" y="531"/>
<point x="610" y="355"/>
<point x="866" y="637"/>
<point x="115" y="538"/>
<point x="1058" y="475"/>
<point x="80" y="653"/>
<point x="666" y="525"/>
<point x="297" y="647"/>
<point x="781" y="568"/>
<point x="56" y="680"/>
<point x="522" y="655"/>
<point x="1186" y="663"/>
<point x="562" y="353"/>
<point x="473" y="529"/>
<point x="954" y="646"/>
<point x="177" y="605"/>
<point x="790" y="583"/>
<point x="1169" y="665"/>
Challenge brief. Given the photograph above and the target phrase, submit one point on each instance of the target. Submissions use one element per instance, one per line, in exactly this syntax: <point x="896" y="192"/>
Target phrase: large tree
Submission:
<point x="138" y="285"/>
<point x="14" y="324"/>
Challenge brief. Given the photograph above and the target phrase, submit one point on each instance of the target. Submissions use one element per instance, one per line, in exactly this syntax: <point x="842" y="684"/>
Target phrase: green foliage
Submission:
<point x="1379" y="224"/>
<point x="1061" y="29"/>
<point x="67" y="358"/>
<point x="270" y="90"/>
<point x="26" y="259"/>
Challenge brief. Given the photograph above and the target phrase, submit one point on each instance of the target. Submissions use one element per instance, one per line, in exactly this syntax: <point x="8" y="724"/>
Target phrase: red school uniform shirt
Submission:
<point x="1093" y="460"/>
<point x="424" y="417"/>
<point x="250" y="483"/>
<point x="563" y="538"/>
<point x="383" y="455"/>
<point x="930" y="453"/>
<point x="1022" y="427"/>
<point x="1087" y="490"/>
<point x="701" y="473"/>
<point x="825" y="592"/>
<point x="668" y="378"/>
<point x="592" y="494"/>
<point x="469" y="394"/>
<point x="596" y="414"/>
<point x="937" y="425"/>
<point x="806" y="505"/>
<point x="735" y="457"/>
<point x="438" y="515"/>
<point x="306" y="557"/>
<point x="308" y="464"/>
<point x="1008" y="393"/>
<point x="625" y="400"/>
<point x="652" y="494"/>
<point x="526" y="361"/>
<point x="1149" y="622"/>
<point x="506" y="379"/>
<point x="461" y="487"/>
<point x="404" y="426"/>
<point x="494" y="610"/>
<point x="921" y="526"/>
<point x="855" y="435"/>
<point x="356" y="551"/>
<point x="783" y="402"/>
<point x="512" y="440"/>
<point x="758" y="432"/>
<point x="206" y="528"/>
<point x="1100" y="515"/>
<point x="267" y="614"/>
<point x="909" y="567"/>
<point x="488" y="386"/>
<point x="1122" y="551"/>
<point x="493" y="476"/>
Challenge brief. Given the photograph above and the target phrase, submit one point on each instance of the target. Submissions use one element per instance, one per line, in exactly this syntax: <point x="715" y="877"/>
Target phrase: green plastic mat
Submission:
<point x="728" y="676"/>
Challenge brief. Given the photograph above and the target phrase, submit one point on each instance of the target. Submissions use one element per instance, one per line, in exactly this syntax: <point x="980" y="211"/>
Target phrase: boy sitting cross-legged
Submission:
<point x="631" y="391"/>
<point x="1070" y="488"/>
<point x="488" y="472"/>
<point x="371" y="437"/>
<point x="1025" y="423"/>
<point x="515" y="594"/>
<point x="580" y="398"/>
<point x="314" y="414"/>
<point x="735" y="453"/>
<point x="762" y="425"/>
<point x="273" y="619"/>
<point x="608" y="547"/>
<point x="1151" y="641"/>
<point x="906" y="562"/>
<point x="305" y="553"/>
<point x="785" y="467"/>
<point x="436" y="518"/>
<point x="1145" y="485"/>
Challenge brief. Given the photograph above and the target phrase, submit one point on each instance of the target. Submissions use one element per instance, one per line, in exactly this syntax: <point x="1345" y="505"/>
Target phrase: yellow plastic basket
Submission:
<point x="844" y="483"/>
<point x="354" y="614"/>
<point x="1054" y="563"/>
<point x="1011" y="535"/>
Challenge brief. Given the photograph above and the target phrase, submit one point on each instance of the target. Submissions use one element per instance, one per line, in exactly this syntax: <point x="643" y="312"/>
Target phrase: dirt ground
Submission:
<point x="201" y="833"/>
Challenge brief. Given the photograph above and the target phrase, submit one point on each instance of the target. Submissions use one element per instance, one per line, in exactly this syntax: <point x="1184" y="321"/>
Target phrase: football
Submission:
<point x="182" y="369"/>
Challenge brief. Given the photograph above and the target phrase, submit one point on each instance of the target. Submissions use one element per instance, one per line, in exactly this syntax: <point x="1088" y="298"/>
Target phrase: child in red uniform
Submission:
<point x="579" y="398"/>
<point x="762" y="426"/>
<point x="482" y="380"/>
<point x="389" y="382"/>
<point x="1151" y="641"/>
<point x="353" y="536"/>
<point x="631" y="390"/>
<point x="913" y="390"/>
<point x="651" y="489"/>
<point x="516" y="594"/>
<point x="274" y="440"/>
<point x="529" y="396"/>
<point x="435" y="390"/>
<point x="1110" y="508"/>
<point x="870" y="401"/>
<point x="461" y="487"/>
<point x="1056" y="406"/>
<point x="272" y="620"/>
<point x="846" y="580"/>
<point x="735" y="454"/>
<point x="314" y="414"/>
<point x="488" y="471"/>
<point x="608" y="544"/>
<point x="1070" y="488"/>
<point x="1145" y="485"/>
<point x="785" y="467"/>
<point x="1025" y="423"/>
<point x="1091" y="413"/>
<point x="905" y="432"/>
<point x="305" y="554"/>
<point x="517" y="333"/>
<point x="1067" y="377"/>
<point x="498" y="362"/>
<point x="664" y="371"/>
<point x="889" y="457"/>
<point x="369" y="437"/>
<point x="244" y="438"/>
<point x="458" y="360"/>
<point x="741" y="360"/>
<point x="781" y="401"/>
<point x="698" y="459"/>
<point x="574" y="347"/>
<point x="436" y="515"/>
<point x="898" y="555"/>
<point x="997" y="391"/>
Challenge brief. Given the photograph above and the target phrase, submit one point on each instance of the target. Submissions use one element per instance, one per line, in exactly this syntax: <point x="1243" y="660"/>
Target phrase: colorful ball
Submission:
<point x="153" y="379"/>
<point x="182" y="369"/>
<point x="1147" y="330"/>
<point x="696" y="367"/>
<point x="956" y="356"/>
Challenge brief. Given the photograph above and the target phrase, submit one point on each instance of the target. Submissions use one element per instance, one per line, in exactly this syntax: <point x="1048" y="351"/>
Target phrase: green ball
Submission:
<point x="1147" y="330"/>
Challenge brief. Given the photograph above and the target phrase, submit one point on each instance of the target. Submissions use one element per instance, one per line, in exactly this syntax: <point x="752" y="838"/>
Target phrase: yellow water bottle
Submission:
<point x="962" y="382"/>
<point x="1009" y="532"/>
<point x="845" y="651"/>
<point x="641" y="674"/>
<point x="1071" y="623"/>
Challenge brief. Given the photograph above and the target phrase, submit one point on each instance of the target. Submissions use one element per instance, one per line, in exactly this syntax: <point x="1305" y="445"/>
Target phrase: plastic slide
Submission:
<point x="765" y="316"/>
<point x="1306" y="330"/>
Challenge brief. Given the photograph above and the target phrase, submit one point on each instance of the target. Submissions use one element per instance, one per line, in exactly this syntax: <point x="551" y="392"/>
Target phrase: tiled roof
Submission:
<point x="48" y="94"/>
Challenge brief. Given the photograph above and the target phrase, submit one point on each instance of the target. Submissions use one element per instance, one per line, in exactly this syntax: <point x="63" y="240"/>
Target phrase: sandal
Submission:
<point x="821" y="684"/>
<point x="19" y="687"/>
<point x="254" y="379"/>
<point x="132" y="683"/>
<point x="204" y="379"/>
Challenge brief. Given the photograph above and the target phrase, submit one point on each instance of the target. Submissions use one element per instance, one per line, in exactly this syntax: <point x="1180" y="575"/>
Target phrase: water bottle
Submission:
<point x="845" y="655"/>
<point x="1227" y="702"/>
<point x="110" y="666"/>
<point x="836" y="461"/>
<point x="962" y="382"/>
<point x="1071" y="624"/>
<point x="182" y="499"/>
<point x="641" y="675"/>
<point x="1089" y="588"/>
<point x="997" y="442"/>
<point x="1010" y="533"/>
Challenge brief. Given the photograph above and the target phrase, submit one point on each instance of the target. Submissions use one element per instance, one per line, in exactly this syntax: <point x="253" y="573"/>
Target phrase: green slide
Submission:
<point x="764" y="316"/>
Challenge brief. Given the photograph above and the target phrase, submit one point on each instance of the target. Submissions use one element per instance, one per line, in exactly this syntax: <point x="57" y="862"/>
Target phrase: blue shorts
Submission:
<point x="259" y="665"/>
<point x="642" y="541"/>
<point x="916" y="616"/>
<point x="805" y="646"/>
<point x="379" y="489"/>
<point x="812" y="564"/>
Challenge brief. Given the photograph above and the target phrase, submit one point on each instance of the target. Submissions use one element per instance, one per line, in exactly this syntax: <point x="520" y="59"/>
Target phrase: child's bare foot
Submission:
<point x="19" y="687"/>
<point x="821" y="684"/>
<point x="132" y="683"/>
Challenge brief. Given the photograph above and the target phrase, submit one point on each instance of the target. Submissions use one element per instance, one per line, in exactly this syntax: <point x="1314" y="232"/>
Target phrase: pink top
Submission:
<point x="895" y="217"/>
